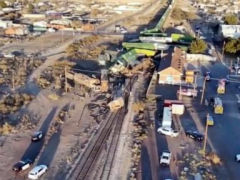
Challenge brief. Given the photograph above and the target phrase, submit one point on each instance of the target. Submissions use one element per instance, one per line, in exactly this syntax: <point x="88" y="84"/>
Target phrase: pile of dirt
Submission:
<point x="138" y="106"/>
<point x="139" y="134"/>
<point x="145" y="65"/>
<point x="192" y="164"/>
<point x="6" y="128"/>
<point x="17" y="70"/>
<point x="13" y="102"/>
<point x="26" y="123"/>
<point x="60" y="119"/>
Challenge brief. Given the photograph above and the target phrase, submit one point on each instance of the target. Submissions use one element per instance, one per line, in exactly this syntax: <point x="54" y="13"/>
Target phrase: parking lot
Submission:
<point x="220" y="137"/>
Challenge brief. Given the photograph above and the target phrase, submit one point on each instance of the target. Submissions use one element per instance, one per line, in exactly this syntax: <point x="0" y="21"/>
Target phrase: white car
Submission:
<point x="36" y="172"/>
<point x="165" y="158"/>
<point x="168" y="131"/>
<point x="237" y="157"/>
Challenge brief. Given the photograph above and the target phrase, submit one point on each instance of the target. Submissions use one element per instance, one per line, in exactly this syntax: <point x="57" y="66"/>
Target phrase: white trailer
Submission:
<point x="167" y="117"/>
<point x="178" y="109"/>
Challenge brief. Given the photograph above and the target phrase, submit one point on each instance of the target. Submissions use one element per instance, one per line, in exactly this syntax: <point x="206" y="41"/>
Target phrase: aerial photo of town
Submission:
<point x="120" y="90"/>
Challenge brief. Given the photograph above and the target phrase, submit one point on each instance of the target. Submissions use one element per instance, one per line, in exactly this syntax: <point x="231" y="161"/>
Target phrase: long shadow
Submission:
<point x="145" y="164"/>
<point x="50" y="149"/>
<point x="34" y="148"/>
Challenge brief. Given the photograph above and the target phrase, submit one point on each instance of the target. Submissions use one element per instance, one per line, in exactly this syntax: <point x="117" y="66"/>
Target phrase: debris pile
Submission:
<point x="84" y="49"/>
<point x="53" y="97"/>
<point x="139" y="134"/>
<point x="17" y="70"/>
<point x="26" y="123"/>
<point x="144" y="65"/>
<point x="54" y="74"/>
<point x="6" y="128"/>
<point x="138" y="106"/>
<point x="13" y="102"/>
<point x="195" y="163"/>
<point x="60" y="119"/>
<point x="98" y="111"/>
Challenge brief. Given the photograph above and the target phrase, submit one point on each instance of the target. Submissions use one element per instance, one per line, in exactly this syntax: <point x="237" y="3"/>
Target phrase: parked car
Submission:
<point x="237" y="157"/>
<point x="194" y="135"/>
<point x="210" y="120"/>
<point x="37" y="136"/>
<point x="36" y="172"/>
<point x="168" y="131"/>
<point x="165" y="158"/>
<point x="22" y="165"/>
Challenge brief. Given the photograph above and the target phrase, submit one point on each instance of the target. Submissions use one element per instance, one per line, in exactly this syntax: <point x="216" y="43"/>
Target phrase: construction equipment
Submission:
<point x="221" y="87"/>
<point x="218" y="107"/>
<point x="116" y="104"/>
<point x="83" y="79"/>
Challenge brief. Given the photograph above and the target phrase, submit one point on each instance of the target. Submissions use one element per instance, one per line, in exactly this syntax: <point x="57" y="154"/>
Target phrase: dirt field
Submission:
<point x="43" y="42"/>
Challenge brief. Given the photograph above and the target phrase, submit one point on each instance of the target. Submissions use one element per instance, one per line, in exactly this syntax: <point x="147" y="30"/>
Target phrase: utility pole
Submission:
<point x="42" y="45"/>
<point x="25" y="64"/>
<point x="223" y="49"/>
<point x="195" y="82"/>
<point x="180" y="89"/>
<point x="205" y="137"/>
<point x="62" y="37"/>
<point x="65" y="73"/>
<point x="203" y="90"/>
<point x="13" y="80"/>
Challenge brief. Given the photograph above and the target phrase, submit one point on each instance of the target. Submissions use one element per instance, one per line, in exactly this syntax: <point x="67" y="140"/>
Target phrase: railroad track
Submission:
<point x="83" y="170"/>
<point x="113" y="146"/>
<point x="86" y="166"/>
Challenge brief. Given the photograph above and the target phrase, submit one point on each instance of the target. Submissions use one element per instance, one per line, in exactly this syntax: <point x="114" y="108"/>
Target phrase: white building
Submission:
<point x="40" y="24"/>
<point x="65" y="22"/>
<point x="230" y="31"/>
<point x="5" y="24"/>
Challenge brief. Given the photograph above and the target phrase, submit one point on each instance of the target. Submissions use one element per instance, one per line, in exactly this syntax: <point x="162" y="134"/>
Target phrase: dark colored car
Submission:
<point x="22" y="165"/>
<point x="194" y="135"/>
<point x="37" y="136"/>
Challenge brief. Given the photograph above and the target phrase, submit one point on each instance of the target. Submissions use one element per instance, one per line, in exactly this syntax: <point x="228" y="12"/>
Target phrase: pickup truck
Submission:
<point x="165" y="158"/>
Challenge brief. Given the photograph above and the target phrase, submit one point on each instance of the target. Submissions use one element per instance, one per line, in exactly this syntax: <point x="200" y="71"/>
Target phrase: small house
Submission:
<point x="171" y="67"/>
